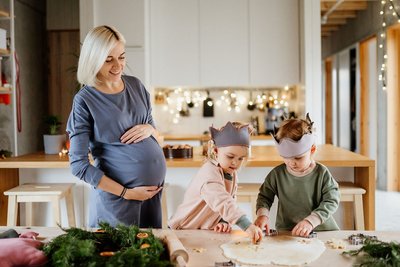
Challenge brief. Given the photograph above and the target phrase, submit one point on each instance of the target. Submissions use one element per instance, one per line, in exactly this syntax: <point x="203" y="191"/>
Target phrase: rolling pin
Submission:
<point x="177" y="252"/>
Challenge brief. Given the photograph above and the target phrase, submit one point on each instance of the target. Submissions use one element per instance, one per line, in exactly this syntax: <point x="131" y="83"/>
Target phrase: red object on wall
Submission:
<point x="5" y="99"/>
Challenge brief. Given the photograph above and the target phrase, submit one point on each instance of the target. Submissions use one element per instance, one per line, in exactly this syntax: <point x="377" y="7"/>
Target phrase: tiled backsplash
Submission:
<point x="180" y="110"/>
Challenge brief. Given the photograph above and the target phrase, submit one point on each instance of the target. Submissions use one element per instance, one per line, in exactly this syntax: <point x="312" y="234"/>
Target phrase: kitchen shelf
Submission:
<point x="4" y="14"/>
<point x="4" y="52"/>
<point x="5" y="90"/>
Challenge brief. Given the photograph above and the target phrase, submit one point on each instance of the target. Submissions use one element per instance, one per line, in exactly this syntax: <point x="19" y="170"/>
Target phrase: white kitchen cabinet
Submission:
<point x="274" y="42"/>
<point x="126" y="15"/>
<point x="174" y="42"/>
<point x="224" y="42"/>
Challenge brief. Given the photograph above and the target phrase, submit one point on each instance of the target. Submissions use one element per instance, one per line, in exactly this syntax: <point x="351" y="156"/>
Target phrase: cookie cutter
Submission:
<point x="272" y="232"/>
<point x="224" y="263"/>
<point x="312" y="234"/>
<point x="359" y="239"/>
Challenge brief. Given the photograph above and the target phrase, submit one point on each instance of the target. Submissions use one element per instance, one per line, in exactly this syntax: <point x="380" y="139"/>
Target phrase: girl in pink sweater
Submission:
<point x="210" y="200"/>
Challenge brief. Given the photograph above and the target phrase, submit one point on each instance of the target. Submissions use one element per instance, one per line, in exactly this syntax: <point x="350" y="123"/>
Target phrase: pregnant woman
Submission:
<point x="111" y="118"/>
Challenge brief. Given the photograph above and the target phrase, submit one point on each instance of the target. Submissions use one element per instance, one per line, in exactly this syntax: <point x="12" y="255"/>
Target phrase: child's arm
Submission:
<point x="330" y="198"/>
<point x="264" y="202"/>
<point x="262" y="220"/>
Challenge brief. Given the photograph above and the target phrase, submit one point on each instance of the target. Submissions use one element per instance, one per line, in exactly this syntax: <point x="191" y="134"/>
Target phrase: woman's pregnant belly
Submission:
<point x="132" y="165"/>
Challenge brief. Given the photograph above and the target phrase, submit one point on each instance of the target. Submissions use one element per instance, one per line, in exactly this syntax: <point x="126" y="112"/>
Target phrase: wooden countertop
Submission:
<point x="261" y="156"/>
<point x="205" y="137"/>
<point x="204" y="249"/>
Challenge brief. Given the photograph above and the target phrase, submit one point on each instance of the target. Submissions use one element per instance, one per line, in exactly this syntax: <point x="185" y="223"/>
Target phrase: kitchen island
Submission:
<point x="204" y="249"/>
<point x="262" y="157"/>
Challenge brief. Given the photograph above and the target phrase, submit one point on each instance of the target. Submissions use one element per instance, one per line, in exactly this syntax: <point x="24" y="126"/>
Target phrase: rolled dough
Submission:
<point x="279" y="250"/>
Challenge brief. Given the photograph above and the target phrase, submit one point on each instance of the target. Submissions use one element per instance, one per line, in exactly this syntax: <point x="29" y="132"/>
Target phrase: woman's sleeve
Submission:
<point x="330" y="197"/>
<point x="79" y="128"/>
<point x="148" y="105"/>
<point x="219" y="200"/>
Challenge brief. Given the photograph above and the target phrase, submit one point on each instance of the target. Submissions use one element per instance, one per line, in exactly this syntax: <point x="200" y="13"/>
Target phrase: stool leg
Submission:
<point x="12" y="211"/>
<point x="69" y="201"/>
<point x="358" y="212"/>
<point x="28" y="213"/>
<point x="164" y="208"/>
<point x="55" y="204"/>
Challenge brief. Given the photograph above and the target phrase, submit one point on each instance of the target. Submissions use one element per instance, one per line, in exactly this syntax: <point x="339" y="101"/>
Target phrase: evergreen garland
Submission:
<point x="376" y="253"/>
<point x="109" y="246"/>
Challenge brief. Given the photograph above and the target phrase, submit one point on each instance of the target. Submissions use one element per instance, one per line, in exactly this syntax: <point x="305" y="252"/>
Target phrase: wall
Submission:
<point x="367" y="23"/>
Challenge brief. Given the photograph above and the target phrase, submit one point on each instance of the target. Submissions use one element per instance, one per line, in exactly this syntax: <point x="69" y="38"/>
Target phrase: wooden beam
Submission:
<point x="342" y="14"/>
<point x="329" y="28"/>
<point x="336" y="21"/>
<point x="345" y="6"/>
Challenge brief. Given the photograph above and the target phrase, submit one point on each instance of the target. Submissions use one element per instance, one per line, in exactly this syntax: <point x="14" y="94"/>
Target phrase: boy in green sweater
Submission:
<point x="308" y="194"/>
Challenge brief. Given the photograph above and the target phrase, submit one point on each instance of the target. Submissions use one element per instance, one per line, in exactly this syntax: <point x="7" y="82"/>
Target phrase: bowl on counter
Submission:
<point x="178" y="151"/>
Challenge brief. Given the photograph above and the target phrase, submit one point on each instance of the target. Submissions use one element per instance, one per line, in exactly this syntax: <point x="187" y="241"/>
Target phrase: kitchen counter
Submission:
<point x="204" y="249"/>
<point x="206" y="137"/>
<point x="261" y="156"/>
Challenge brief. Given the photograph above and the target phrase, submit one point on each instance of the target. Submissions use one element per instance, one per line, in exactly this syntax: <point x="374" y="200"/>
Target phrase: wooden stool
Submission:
<point x="164" y="208"/>
<point x="29" y="193"/>
<point x="248" y="193"/>
<point x="351" y="193"/>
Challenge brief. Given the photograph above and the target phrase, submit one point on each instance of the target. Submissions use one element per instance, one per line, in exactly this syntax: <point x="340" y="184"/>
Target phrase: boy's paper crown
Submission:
<point x="289" y="148"/>
<point x="229" y="135"/>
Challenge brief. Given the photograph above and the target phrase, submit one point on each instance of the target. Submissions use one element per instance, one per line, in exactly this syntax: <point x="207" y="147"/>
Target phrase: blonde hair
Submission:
<point x="211" y="154"/>
<point x="294" y="129"/>
<point x="95" y="49"/>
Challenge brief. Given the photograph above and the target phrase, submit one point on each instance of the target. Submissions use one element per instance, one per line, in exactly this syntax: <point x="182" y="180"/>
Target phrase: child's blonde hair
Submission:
<point x="294" y="129"/>
<point x="211" y="154"/>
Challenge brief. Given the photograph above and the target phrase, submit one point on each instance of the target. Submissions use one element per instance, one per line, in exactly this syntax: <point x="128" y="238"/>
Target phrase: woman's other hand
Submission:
<point x="222" y="228"/>
<point x="303" y="228"/>
<point x="255" y="233"/>
<point x="263" y="222"/>
<point x="137" y="133"/>
<point x="142" y="192"/>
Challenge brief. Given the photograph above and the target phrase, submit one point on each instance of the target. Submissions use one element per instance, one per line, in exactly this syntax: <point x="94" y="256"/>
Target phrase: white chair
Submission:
<point x="29" y="193"/>
<point x="349" y="192"/>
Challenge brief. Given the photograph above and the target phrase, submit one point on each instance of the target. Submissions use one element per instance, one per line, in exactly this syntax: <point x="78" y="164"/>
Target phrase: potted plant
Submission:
<point x="53" y="140"/>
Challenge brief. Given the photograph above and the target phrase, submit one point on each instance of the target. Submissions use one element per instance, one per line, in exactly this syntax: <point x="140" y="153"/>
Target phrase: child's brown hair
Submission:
<point x="294" y="129"/>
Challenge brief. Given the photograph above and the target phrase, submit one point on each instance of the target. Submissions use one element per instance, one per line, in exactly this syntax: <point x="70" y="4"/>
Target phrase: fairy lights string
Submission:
<point x="390" y="14"/>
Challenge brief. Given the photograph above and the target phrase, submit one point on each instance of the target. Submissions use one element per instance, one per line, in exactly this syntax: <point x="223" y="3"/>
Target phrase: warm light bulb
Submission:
<point x="209" y="103"/>
<point x="384" y="24"/>
<point x="381" y="12"/>
<point x="381" y="45"/>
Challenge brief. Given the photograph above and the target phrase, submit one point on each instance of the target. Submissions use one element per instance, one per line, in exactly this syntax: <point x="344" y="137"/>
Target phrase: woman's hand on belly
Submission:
<point x="137" y="133"/>
<point x="142" y="192"/>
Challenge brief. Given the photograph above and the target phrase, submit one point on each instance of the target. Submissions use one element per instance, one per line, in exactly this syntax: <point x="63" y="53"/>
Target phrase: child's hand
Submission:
<point x="222" y="228"/>
<point x="262" y="222"/>
<point x="303" y="228"/>
<point x="255" y="233"/>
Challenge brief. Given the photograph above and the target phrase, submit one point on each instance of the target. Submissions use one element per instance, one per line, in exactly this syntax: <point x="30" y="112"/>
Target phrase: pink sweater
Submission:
<point x="208" y="198"/>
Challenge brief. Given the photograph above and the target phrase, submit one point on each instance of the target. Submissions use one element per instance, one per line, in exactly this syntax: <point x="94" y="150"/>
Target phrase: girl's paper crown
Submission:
<point x="229" y="135"/>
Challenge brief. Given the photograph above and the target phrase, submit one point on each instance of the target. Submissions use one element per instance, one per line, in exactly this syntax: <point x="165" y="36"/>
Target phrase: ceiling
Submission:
<point x="336" y="13"/>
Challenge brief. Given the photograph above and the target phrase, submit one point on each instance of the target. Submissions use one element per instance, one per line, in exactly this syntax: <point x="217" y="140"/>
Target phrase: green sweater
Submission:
<point x="316" y="192"/>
